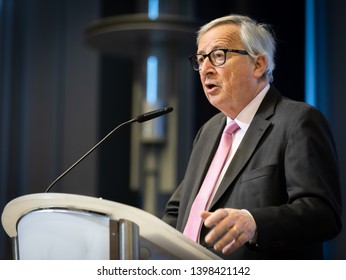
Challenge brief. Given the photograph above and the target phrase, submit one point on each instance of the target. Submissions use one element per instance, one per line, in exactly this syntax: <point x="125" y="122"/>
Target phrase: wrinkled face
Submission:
<point x="231" y="86"/>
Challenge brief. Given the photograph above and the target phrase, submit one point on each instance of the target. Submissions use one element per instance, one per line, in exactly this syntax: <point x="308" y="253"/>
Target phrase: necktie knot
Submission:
<point x="231" y="127"/>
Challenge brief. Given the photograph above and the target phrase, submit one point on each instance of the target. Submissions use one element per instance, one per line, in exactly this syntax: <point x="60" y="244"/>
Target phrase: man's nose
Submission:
<point x="207" y="67"/>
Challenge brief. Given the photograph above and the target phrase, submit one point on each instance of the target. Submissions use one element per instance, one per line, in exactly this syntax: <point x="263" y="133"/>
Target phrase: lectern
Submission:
<point x="60" y="226"/>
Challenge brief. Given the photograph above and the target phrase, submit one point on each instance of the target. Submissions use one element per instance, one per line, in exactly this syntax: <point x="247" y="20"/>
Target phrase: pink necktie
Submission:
<point x="194" y="221"/>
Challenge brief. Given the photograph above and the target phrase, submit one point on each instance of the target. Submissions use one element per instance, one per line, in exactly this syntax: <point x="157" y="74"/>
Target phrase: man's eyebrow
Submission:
<point x="214" y="48"/>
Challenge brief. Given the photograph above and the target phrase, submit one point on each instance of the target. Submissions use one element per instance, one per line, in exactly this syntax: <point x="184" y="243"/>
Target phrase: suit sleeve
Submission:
<point x="172" y="208"/>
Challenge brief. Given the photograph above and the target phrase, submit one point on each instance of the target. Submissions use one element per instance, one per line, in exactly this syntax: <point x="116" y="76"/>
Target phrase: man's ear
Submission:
<point x="260" y="64"/>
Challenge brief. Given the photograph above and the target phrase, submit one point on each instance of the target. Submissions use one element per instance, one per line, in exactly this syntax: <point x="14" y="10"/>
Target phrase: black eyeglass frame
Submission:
<point x="193" y="60"/>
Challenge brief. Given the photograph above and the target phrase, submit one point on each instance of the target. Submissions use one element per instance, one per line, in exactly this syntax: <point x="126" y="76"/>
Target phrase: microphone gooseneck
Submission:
<point x="141" y="118"/>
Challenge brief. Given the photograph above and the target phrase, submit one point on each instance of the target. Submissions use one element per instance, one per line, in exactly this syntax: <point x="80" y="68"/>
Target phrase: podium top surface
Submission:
<point x="151" y="227"/>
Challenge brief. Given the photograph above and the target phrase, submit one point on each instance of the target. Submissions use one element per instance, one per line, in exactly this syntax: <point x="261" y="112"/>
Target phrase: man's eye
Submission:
<point x="218" y="55"/>
<point x="200" y="59"/>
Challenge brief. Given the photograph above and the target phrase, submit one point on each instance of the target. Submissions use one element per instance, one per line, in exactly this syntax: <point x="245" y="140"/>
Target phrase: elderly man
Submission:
<point x="269" y="187"/>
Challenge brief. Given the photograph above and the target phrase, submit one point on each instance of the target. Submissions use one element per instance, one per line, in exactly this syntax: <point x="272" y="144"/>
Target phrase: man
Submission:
<point x="278" y="194"/>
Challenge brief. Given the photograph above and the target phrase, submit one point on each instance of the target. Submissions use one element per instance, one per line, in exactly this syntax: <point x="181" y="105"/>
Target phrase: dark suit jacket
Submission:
<point x="285" y="172"/>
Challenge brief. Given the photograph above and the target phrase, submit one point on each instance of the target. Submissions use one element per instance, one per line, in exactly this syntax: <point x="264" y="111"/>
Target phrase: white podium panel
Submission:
<point x="59" y="234"/>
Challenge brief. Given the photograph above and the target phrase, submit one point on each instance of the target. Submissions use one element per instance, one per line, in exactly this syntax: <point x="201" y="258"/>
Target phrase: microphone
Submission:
<point x="140" y="119"/>
<point x="153" y="114"/>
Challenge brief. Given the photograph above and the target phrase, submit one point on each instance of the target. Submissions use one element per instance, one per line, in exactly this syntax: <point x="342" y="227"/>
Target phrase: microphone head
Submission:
<point x="153" y="114"/>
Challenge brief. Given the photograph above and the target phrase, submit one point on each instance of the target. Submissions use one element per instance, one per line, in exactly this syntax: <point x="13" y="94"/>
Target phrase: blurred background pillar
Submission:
<point x="158" y="38"/>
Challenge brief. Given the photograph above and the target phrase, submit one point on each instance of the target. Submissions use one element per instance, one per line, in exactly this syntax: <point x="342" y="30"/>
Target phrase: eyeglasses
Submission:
<point x="217" y="57"/>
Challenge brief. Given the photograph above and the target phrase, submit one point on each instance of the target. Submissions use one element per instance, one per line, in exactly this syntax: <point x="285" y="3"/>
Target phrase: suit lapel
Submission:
<point x="255" y="132"/>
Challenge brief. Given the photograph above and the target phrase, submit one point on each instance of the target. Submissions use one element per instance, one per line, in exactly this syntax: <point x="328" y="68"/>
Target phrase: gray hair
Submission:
<point x="256" y="37"/>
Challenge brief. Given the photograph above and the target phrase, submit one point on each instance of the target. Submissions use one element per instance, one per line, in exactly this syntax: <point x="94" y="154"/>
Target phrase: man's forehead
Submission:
<point x="225" y="36"/>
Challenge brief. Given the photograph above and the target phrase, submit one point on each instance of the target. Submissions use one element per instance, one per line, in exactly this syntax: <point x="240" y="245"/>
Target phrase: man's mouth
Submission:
<point x="210" y="86"/>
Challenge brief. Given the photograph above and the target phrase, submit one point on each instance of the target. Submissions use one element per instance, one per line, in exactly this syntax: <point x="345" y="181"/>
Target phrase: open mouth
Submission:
<point x="210" y="86"/>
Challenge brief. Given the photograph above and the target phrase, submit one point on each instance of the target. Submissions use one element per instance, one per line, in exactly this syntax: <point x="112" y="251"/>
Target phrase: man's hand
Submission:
<point x="231" y="229"/>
